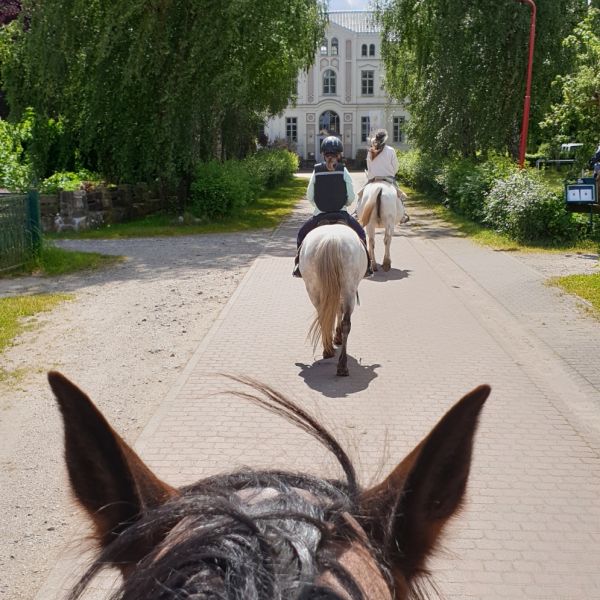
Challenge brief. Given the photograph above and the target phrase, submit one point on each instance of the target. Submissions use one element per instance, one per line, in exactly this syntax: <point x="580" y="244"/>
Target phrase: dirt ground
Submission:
<point x="124" y="339"/>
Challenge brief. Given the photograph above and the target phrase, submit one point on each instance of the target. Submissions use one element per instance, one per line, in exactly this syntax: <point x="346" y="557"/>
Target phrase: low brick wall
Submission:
<point x="90" y="209"/>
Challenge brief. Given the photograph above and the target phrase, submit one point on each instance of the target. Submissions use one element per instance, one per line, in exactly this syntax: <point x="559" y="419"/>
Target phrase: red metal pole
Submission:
<point x="525" y="123"/>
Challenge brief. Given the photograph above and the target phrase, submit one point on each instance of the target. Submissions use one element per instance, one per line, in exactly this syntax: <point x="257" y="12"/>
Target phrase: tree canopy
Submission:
<point x="575" y="117"/>
<point x="146" y="88"/>
<point x="460" y="66"/>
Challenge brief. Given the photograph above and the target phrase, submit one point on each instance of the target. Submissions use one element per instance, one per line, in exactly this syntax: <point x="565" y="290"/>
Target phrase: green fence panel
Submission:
<point x="20" y="229"/>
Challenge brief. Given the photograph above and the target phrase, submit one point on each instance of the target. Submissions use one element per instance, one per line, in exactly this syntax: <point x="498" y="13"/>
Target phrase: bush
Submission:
<point x="67" y="181"/>
<point x="526" y="209"/>
<point x="16" y="172"/>
<point x="271" y="167"/>
<point x="418" y="170"/>
<point x="466" y="183"/>
<point x="221" y="189"/>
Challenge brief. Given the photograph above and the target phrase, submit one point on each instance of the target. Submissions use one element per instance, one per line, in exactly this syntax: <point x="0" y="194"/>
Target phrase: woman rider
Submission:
<point x="330" y="191"/>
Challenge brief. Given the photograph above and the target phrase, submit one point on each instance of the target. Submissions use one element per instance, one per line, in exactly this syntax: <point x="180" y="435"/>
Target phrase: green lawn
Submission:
<point x="266" y="213"/>
<point x="584" y="286"/>
<point x="56" y="261"/>
<point x="13" y="314"/>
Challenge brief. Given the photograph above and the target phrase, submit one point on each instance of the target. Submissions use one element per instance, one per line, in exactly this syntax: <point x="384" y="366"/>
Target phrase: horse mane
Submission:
<point x="248" y="535"/>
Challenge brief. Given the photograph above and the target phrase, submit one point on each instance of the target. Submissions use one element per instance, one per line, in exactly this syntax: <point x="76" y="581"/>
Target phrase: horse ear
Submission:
<point x="405" y="514"/>
<point x="108" y="478"/>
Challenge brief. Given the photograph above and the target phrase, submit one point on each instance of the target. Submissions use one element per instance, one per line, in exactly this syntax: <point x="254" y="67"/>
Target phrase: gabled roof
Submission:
<point x="360" y="21"/>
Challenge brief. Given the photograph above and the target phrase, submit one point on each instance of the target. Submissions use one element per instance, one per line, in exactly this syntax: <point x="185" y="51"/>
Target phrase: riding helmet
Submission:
<point x="332" y="145"/>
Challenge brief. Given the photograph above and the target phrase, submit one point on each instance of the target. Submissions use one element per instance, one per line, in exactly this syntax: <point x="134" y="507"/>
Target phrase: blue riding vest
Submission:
<point x="331" y="194"/>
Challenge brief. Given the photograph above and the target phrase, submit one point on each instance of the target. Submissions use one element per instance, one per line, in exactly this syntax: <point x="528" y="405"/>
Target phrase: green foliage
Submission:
<point x="16" y="173"/>
<point x="418" y="170"/>
<point x="576" y="116"/>
<point x="466" y="183"/>
<point x="461" y="67"/>
<point x="67" y="181"/>
<point x="146" y="89"/>
<point x="526" y="209"/>
<point x="222" y="189"/>
<point x="271" y="167"/>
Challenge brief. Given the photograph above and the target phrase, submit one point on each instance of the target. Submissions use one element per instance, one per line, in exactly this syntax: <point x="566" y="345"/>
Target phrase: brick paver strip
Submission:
<point x="450" y="315"/>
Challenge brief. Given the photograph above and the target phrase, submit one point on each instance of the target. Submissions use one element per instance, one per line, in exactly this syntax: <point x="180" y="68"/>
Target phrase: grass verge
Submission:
<point x="266" y="213"/>
<point x="14" y="311"/>
<point x="54" y="261"/>
<point x="486" y="237"/>
<point x="584" y="286"/>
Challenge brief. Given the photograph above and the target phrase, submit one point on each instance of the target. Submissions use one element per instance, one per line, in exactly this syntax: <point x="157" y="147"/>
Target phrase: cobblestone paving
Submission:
<point x="448" y="316"/>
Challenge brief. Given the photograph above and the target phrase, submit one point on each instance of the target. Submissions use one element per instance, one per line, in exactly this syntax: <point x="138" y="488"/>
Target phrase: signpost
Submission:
<point x="581" y="197"/>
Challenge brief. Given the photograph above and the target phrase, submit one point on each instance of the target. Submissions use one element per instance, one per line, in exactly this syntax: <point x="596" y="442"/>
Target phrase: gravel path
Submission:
<point x="124" y="339"/>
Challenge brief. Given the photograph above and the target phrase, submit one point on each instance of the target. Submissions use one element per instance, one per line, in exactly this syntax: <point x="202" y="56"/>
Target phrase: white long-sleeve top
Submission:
<point x="385" y="163"/>
<point x="310" y="192"/>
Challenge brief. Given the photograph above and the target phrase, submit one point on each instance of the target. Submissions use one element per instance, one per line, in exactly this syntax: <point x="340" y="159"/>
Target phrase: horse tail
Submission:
<point x="373" y="202"/>
<point x="329" y="263"/>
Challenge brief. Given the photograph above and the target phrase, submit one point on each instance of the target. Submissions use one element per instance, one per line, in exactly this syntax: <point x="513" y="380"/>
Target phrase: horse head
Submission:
<point x="265" y="534"/>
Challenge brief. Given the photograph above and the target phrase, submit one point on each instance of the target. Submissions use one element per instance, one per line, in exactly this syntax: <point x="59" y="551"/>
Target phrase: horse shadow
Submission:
<point x="391" y="275"/>
<point x="321" y="376"/>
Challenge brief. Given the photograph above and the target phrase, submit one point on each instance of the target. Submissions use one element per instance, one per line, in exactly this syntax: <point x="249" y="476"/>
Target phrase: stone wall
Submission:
<point x="89" y="209"/>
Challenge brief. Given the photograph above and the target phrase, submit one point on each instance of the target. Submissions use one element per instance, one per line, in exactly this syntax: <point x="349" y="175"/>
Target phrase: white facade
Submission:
<point x="342" y="94"/>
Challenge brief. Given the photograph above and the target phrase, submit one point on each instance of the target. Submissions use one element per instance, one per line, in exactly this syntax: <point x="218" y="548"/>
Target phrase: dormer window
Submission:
<point x="363" y="50"/>
<point x="324" y="47"/>
<point x="334" y="47"/>
<point x="372" y="50"/>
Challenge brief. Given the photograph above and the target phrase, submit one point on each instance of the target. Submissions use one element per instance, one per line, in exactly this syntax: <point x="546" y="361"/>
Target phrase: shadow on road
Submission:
<point x="391" y="275"/>
<point x="321" y="376"/>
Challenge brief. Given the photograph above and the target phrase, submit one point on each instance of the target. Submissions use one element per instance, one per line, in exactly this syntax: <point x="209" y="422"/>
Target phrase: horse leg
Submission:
<point x="337" y="340"/>
<point x="342" y="366"/>
<point x="371" y="235"/>
<point x="387" y="240"/>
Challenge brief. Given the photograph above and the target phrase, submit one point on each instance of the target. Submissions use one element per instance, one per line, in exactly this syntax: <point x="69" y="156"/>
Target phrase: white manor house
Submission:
<point x="342" y="94"/>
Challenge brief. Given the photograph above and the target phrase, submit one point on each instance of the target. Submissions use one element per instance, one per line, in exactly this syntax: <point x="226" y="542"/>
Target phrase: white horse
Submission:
<point x="332" y="262"/>
<point x="382" y="208"/>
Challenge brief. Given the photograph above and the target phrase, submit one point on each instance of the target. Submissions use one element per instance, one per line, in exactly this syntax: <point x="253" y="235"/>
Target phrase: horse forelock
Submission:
<point x="250" y="535"/>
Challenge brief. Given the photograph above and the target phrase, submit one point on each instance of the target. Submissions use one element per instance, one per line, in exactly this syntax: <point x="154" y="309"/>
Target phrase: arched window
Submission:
<point x="329" y="123"/>
<point x="372" y="50"/>
<point x="329" y="82"/>
<point x="363" y="50"/>
<point x="324" y="47"/>
<point x="334" y="47"/>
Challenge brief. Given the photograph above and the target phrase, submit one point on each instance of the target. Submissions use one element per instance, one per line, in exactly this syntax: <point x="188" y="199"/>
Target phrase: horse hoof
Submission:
<point x="374" y="267"/>
<point x="337" y="341"/>
<point x="328" y="353"/>
<point x="343" y="372"/>
<point x="387" y="265"/>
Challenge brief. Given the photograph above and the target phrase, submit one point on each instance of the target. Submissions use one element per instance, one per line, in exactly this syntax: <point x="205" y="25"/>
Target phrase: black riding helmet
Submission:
<point x="332" y="145"/>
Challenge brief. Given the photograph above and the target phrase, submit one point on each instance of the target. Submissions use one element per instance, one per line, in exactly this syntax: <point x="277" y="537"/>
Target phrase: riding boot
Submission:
<point x="296" y="271"/>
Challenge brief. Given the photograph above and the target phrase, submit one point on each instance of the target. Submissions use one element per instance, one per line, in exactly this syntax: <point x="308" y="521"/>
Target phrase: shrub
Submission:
<point x="418" y="170"/>
<point x="221" y="189"/>
<point x="271" y="167"/>
<point x="526" y="209"/>
<point x="67" y="181"/>
<point x="16" y="172"/>
<point x="466" y="183"/>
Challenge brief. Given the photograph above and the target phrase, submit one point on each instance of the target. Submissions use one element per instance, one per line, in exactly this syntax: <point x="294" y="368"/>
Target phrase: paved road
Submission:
<point x="448" y="316"/>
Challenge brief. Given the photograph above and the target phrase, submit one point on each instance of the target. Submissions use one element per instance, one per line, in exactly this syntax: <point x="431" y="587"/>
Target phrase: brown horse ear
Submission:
<point x="406" y="513"/>
<point x="108" y="478"/>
